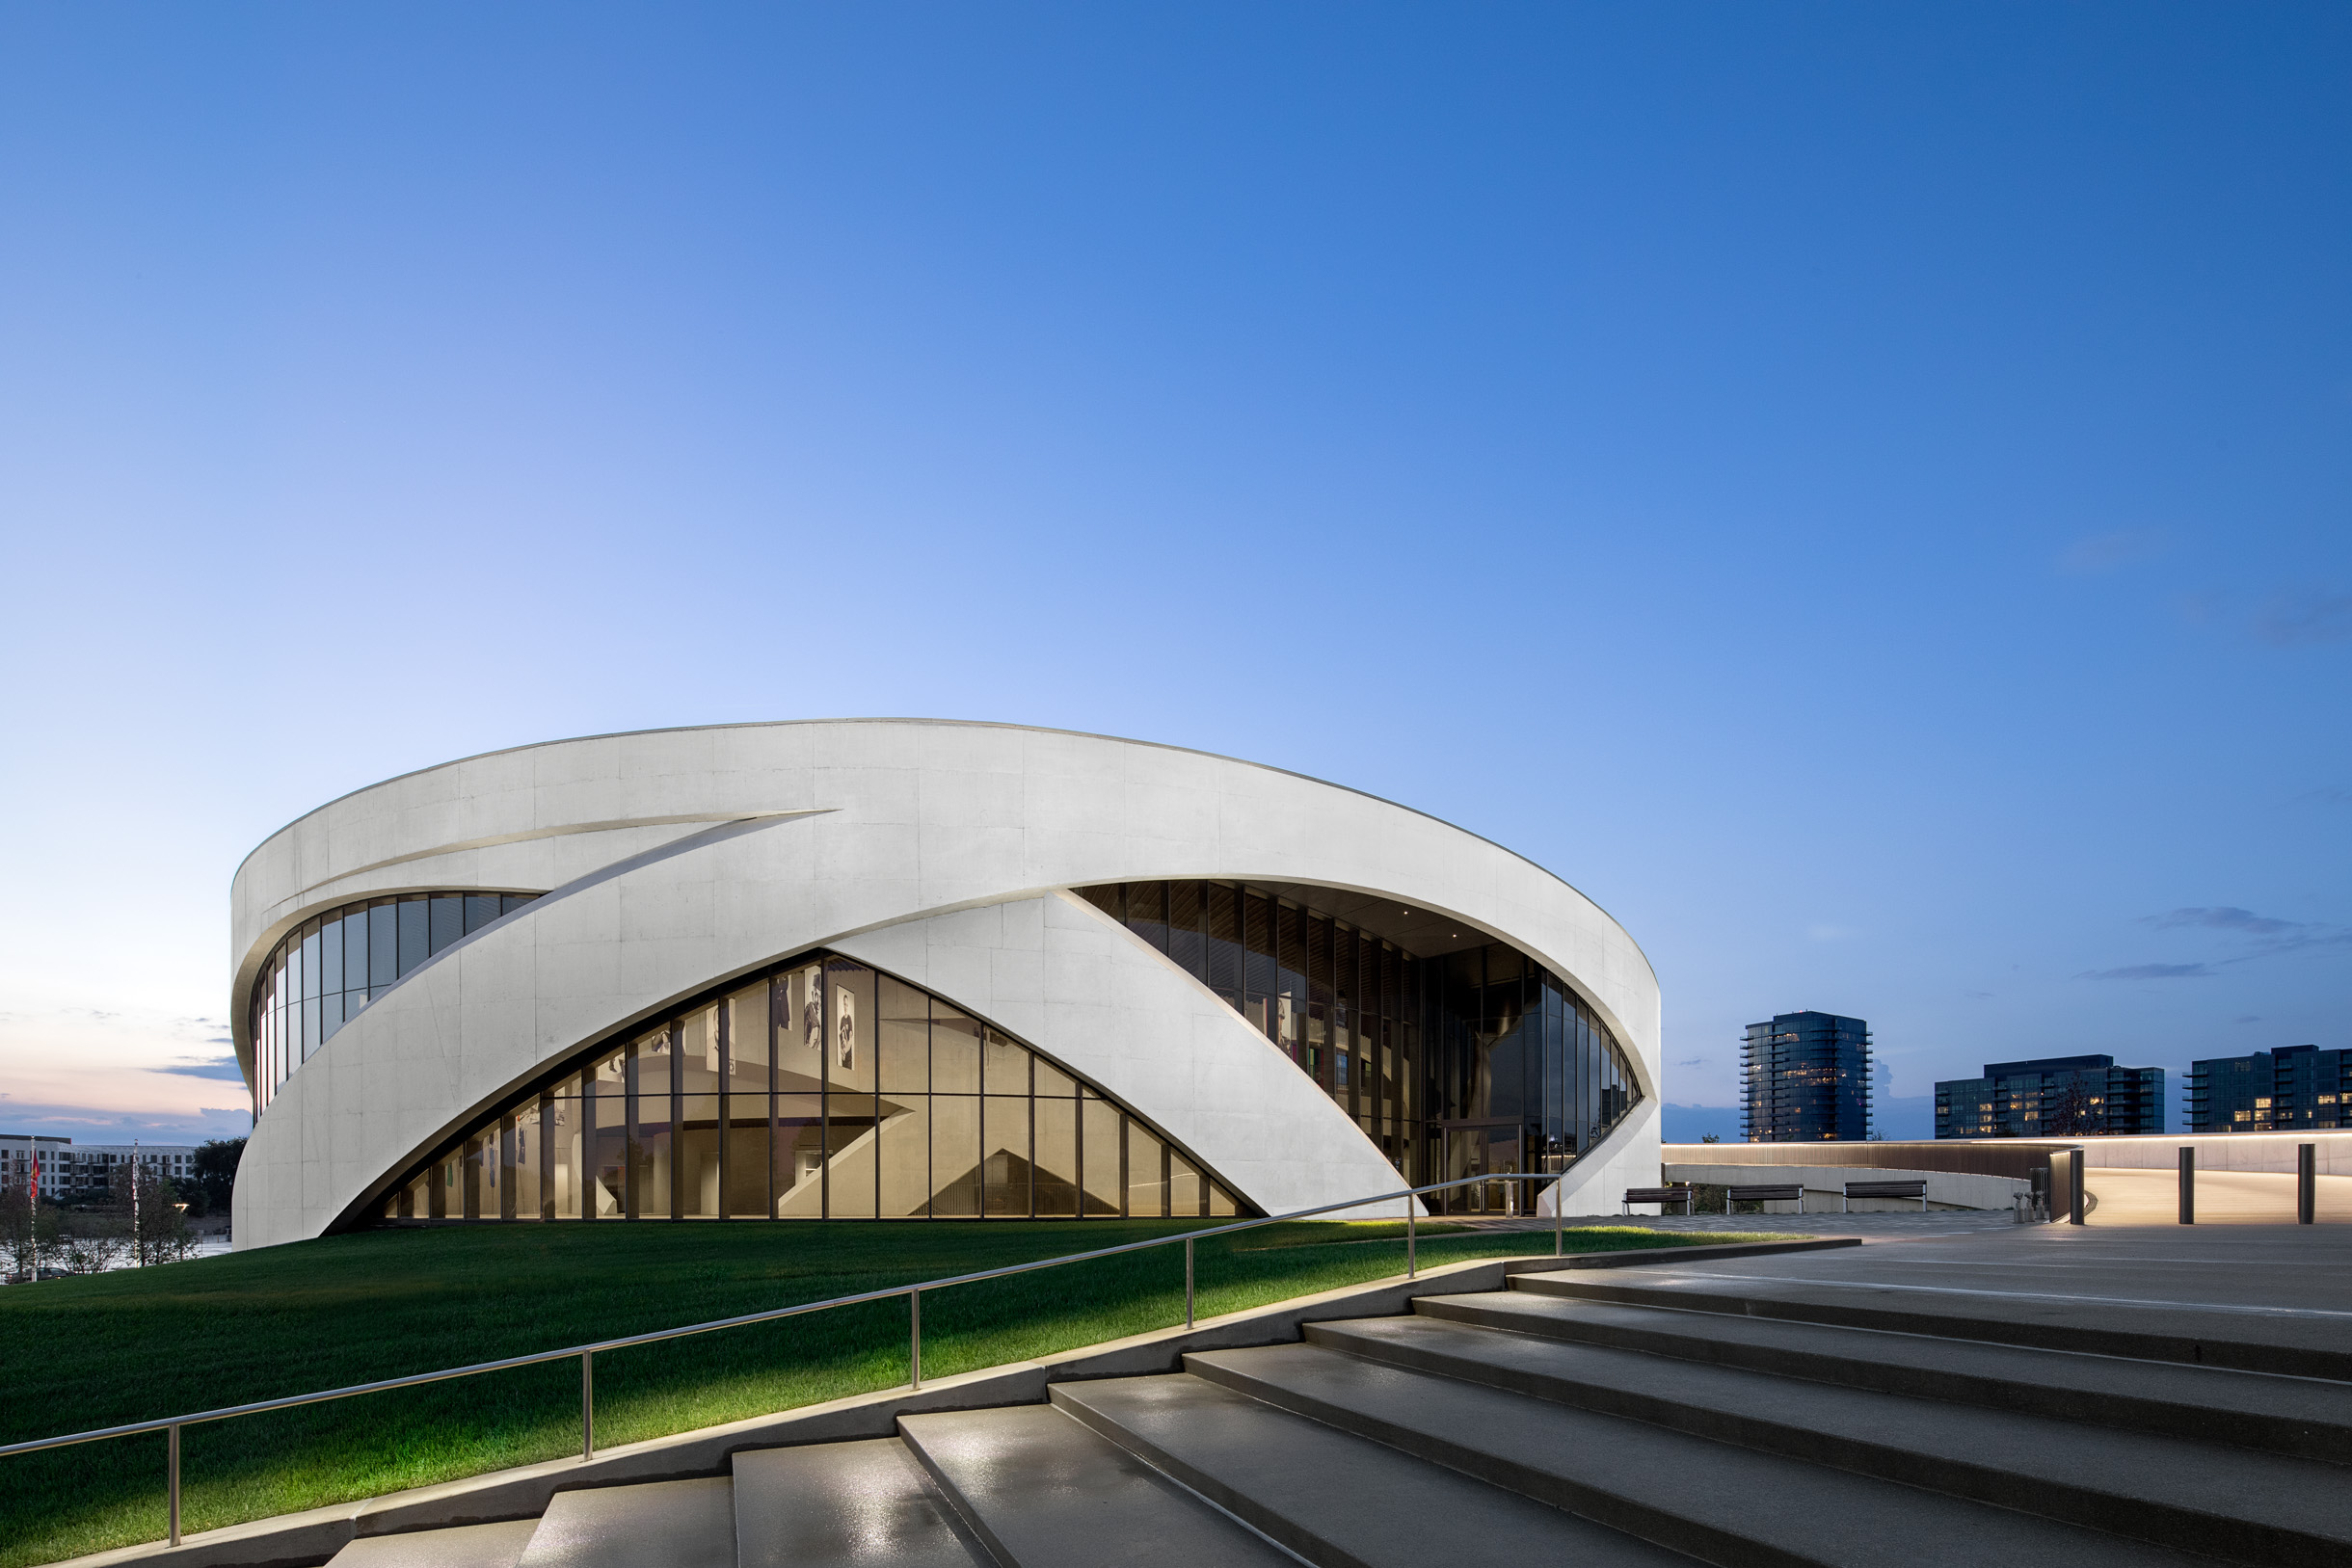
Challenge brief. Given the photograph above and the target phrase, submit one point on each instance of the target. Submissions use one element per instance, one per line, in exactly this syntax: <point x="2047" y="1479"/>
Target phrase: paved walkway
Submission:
<point x="2286" y="1287"/>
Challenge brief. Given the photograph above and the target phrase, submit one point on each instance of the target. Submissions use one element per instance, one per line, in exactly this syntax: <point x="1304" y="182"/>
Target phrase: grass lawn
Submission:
<point x="88" y="1353"/>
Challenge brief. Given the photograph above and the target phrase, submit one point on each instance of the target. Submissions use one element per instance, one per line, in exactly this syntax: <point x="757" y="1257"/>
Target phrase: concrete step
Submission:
<point x="2307" y="1417"/>
<point x="1042" y="1490"/>
<point x="460" y="1546"/>
<point x="2173" y="1491"/>
<point x="655" y="1525"/>
<point x="2289" y="1342"/>
<point x="833" y="1504"/>
<point x="1712" y="1500"/>
<point x="1337" y="1500"/>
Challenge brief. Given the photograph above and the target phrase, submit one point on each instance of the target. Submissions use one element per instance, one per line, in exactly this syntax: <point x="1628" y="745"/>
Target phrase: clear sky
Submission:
<point x="1860" y="491"/>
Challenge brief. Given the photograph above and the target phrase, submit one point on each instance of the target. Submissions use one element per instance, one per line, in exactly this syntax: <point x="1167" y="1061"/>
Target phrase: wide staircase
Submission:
<point x="1565" y="1420"/>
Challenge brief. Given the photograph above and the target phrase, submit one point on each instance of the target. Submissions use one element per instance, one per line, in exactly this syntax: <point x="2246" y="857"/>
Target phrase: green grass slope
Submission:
<point x="88" y="1353"/>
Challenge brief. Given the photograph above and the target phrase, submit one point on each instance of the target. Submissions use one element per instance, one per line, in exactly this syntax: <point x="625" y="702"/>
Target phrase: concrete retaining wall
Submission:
<point x="1825" y="1183"/>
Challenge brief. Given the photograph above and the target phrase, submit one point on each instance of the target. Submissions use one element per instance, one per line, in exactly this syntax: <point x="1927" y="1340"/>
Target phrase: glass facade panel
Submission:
<point x="849" y="1026"/>
<point x="606" y="1108"/>
<point x="955" y="1052"/>
<point x="1004" y="1066"/>
<point x="1005" y="1168"/>
<point x="568" y="1150"/>
<point x="1057" y="1158"/>
<point x="1147" y="1176"/>
<point x="902" y="1037"/>
<point x="1461" y="1063"/>
<point x="524" y="1151"/>
<point x="1102" y="1151"/>
<point x="745" y="1152"/>
<point x="447" y="920"/>
<point x="749" y="1046"/>
<point x="822" y="1090"/>
<point x="696" y="1135"/>
<point x="902" y="1152"/>
<point x="799" y="1145"/>
<point x="325" y="971"/>
<point x="800" y="1031"/>
<point x="698" y="1052"/>
<point x="651" y="1080"/>
<point x="849" y="1155"/>
<point x="955" y="1156"/>
<point x="1184" y="1187"/>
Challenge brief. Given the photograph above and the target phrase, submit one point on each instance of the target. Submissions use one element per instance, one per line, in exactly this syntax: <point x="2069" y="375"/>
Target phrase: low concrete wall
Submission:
<point x="2332" y="1152"/>
<point x="1823" y="1184"/>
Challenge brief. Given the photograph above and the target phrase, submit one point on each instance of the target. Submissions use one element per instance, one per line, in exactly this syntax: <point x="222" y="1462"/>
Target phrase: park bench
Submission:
<point x="1886" y="1189"/>
<point x="1679" y="1192"/>
<point x="1776" y="1192"/>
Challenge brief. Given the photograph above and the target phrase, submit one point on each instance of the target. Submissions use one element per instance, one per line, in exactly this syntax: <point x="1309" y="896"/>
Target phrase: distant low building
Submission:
<point x="67" y="1169"/>
<point x="2052" y="1096"/>
<point x="2286" y="1090"/>
<point x="1806" y="1078"/>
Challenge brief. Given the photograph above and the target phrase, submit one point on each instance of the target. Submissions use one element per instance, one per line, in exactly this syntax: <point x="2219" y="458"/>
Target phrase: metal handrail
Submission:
<point x="587" y="1353"/>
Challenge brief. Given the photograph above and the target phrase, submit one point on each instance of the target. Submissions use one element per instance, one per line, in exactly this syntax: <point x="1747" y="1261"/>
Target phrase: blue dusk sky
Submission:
<point x="1860" y="491"/>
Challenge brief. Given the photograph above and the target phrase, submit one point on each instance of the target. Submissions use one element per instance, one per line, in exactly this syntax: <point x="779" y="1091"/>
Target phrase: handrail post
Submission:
<point x="1187" y="1282"/>
<point x="172" y="1466"/>
<point x="914" y="1337"/>
<point x="1412" y="1211"/>
<point x="1559" y="1236"/>
<point x="587" y="1405"/>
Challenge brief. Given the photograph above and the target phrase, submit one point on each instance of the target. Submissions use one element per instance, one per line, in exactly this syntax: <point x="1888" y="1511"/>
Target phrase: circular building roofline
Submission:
<point x="971" y="723"/>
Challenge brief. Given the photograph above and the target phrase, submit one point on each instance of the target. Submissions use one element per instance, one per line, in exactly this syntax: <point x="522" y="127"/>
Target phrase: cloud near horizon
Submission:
<point x="2268" y="937"/>
<point x="97" y="1124"/>
<point x="2150" y="971"/>
<point x="2223" y="918"/>
<point x="206" y="1066"/>
<point x="2301" y="620"/>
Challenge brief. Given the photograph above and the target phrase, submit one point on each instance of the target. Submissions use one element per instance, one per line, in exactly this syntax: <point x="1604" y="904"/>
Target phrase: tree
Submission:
<point x="148" y="1216"/>
<point x="90" y="1239"/>
<point x="215" y="1169"/>
<point x="28" y="1230"/>
<point x="2072" y="1112"/>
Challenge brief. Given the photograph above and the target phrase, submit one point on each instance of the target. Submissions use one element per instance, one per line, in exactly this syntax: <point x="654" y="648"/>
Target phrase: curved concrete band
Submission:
<point x="673" y="860"/>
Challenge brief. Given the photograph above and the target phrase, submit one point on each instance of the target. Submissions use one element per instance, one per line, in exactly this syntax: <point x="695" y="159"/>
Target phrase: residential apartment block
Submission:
<point x="2061" y="1097"/>
<point x="67" y="1169"/>
<point x="1805" y="1077"/>
<point x="2286" y="1090"/>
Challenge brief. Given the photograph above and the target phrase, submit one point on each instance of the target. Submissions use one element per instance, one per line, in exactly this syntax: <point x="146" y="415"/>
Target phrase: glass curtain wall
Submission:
<point x="1471" y="1062"/>
<point x="823" y="1090"/>
<point x="331" y="965"/>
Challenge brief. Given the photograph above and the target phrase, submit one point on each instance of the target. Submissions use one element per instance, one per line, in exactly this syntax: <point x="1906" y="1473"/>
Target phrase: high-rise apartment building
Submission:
<point x="1805" y="1077"/>
<point x="2286" y="1090"/>
<point x="67" y="1169"/>
<point x="2051" y="1096"/>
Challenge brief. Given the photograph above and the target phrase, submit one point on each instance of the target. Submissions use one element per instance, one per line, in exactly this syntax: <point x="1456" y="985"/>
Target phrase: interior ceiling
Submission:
<point x="1418" y="931"/>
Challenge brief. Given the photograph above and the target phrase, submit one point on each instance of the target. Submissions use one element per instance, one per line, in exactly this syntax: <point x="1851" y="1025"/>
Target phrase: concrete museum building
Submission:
<point x="904" y="969"/>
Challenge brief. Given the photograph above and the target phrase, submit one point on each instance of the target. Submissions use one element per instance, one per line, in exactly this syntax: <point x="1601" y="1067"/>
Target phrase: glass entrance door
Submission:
<point x="1482" y="1151"/>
